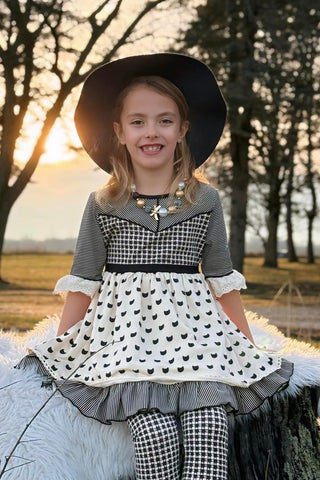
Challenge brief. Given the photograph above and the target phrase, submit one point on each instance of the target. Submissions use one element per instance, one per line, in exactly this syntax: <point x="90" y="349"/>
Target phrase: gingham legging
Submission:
<point x="205" y="440"/>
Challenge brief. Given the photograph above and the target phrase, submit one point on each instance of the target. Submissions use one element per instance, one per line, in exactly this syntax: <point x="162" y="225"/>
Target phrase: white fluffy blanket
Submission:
<point x="61" y="444"/>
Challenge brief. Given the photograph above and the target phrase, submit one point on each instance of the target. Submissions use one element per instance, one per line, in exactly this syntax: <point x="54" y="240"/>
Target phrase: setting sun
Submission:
<point x="57" y="147"/>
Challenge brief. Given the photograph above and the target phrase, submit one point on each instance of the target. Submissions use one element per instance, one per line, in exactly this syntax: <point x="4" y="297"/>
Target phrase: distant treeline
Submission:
<point x="54" y="245"/>
<point x="67" y="245"/>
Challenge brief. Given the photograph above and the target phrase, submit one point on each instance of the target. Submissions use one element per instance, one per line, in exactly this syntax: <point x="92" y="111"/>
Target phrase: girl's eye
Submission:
<point x="136" y="122"/>
<point x="166" y="121"/>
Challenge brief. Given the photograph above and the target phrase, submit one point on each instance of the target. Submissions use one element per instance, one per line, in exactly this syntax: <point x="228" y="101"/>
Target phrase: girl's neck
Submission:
<point x="153" y="183"/>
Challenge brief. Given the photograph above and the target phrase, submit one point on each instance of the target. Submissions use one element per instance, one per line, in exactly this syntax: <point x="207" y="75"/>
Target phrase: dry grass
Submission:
<point x="264" y="283"/>
<point x="28" y="297"/>
<point x="35" y="271"/>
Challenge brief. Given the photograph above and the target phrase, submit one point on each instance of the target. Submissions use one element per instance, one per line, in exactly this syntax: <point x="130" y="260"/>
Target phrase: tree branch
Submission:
<point x="92" y="17"/>
<point x="122" y="40"/>
<point x="97" y="31"/>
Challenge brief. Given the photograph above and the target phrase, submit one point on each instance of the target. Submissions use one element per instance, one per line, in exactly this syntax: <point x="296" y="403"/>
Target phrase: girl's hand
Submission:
<point x="264" y="349"/>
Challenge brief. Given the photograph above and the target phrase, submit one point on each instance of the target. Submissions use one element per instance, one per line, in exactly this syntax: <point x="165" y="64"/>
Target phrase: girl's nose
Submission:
<point x="151" y="130"/>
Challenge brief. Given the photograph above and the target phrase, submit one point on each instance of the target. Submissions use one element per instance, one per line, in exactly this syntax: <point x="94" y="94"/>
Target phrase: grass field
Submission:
<point x="28" y="296"/>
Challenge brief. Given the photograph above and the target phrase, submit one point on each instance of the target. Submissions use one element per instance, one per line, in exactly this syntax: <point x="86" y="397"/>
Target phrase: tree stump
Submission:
<point x="279" y="443"/>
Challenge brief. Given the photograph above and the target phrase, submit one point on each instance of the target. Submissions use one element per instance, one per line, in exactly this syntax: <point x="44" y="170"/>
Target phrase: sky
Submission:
<point x="52" y="205"/>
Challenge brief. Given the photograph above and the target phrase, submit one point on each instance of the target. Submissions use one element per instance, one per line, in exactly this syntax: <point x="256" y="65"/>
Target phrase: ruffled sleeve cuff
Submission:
<point x="72" y="283"/>
<point x="222" y="285"/>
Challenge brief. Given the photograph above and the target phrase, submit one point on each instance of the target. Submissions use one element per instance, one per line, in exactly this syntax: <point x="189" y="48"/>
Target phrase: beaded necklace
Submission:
<point x="157" y="211"/>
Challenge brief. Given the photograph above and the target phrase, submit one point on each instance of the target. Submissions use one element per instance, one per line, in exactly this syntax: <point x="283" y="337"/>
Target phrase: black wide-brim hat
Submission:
<point x="94" y="112"/>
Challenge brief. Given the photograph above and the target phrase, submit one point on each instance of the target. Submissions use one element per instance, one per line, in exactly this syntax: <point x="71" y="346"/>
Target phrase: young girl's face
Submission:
<point x="150" y="127"/>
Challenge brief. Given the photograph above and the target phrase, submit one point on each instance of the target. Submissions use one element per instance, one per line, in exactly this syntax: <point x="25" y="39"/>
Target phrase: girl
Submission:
<point x="146" y="335"/>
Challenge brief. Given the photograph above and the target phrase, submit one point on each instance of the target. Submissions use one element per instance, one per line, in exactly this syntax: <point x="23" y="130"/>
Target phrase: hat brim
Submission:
<point x="93" y="114"/>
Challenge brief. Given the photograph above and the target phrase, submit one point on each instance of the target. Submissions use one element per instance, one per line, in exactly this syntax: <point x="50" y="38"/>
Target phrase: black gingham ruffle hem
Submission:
<point x="121" y="401"/>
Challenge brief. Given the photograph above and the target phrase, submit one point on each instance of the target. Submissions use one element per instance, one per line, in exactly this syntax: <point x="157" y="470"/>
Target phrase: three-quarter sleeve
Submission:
<point x="89" y="258"/>
<point x="216" y="264"/>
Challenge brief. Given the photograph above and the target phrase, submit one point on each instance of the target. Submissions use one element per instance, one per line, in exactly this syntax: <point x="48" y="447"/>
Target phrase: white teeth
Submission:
<point x="151" y="148"/>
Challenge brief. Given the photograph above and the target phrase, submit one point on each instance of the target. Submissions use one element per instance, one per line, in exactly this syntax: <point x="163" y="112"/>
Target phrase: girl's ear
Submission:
<point x="183" y="130"/>
<point x="118" y="131"/>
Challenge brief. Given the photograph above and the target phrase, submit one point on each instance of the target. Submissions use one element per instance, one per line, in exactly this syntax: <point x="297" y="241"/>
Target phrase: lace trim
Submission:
<point x="222" y="285"/>
<point x="72" y="283"/>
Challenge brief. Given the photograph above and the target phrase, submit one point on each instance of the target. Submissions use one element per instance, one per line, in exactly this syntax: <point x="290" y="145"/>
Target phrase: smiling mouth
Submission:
<point x="151" y="148"/>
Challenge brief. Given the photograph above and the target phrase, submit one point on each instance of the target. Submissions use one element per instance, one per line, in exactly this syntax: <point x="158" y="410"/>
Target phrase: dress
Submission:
<point x="154" y="337"/>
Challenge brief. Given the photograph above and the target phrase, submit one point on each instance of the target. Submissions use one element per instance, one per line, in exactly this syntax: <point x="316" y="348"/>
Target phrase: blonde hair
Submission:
<point x="117" y="191"/>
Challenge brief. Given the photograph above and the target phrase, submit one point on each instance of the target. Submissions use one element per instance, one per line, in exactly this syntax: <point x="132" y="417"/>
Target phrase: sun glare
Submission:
<point x="56" y="147"/>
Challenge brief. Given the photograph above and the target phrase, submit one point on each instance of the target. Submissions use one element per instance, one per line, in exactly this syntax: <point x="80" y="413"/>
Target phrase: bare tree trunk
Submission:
<point x="241" y="131"/>
<point x="312" y="212"/>
<point x="271" y="253"/>
<point x="239" y="197"/>
<point x="274" y="205"/>
<point x="292" y="256"/>
<point x="310" y="251"/>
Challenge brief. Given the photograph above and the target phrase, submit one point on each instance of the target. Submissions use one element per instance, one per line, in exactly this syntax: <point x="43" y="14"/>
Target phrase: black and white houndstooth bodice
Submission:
<point x="130" y="243"/>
